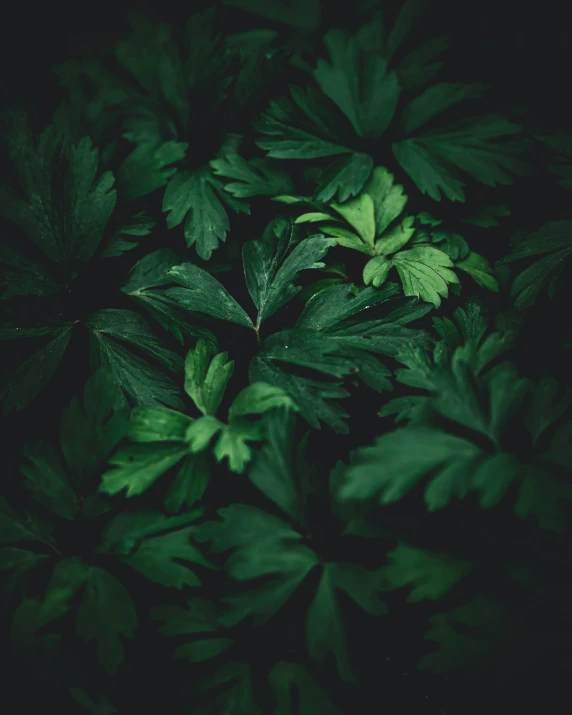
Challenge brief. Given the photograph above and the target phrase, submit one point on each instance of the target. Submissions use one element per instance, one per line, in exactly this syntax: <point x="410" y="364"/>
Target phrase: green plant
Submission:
<point x="272" y="418"/>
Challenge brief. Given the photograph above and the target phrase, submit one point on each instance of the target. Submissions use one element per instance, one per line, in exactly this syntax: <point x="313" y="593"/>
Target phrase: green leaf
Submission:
<point x="139" y="381"/>
<point x="157" y="424"/>
<point x="56" y="200"/>
<point x="137" y="467"/>
<point x="205" y="383"/>
<point x="270" y="273"/>
<point x="264" y="546"/>
<point x="360" y="214"/>
<point x="425" y="272"/>
<point x="130" y="327"/>
<point x="480" y="269"/>
<point x="33" y="614"/>
<point x="233" y="443"/>
<point x="125" y="533"/>
<point x="302" y="127"/>
<point x="190" y="197"/>
<point x="314" y="398"/>
<point x="430" y="574"/>
<point x="273" y="470"/>
<point x="435" y="100"/>
<point x="90" y="428"/>
<point x="434" y="160"/>
<point x="13" y="528"/>
<point x="106" y="613"/>
<point x="125" y="237"/>
<point x="555" y="240"/>
<point x="157" y="559"/>
<point x="370" y="215"/>
<point x="359" y="83"/>
<point x="479" y="636"/>
<point x="150" y="274"/>
<point x="47" y="482"/>
<point x="345" y="177"/>
<point x="24" y="275"/>
<point x="399" y="460"/>
<point x="552" y="236"/>
<point x="256" y="177"/>
<point x="204" y="294"/>
<point x="189" y="484"/>
<point x="325" y="631"/>
<point x="491" y="403"/>
<point x="198" y="620"/>
<point x="201" y="432"/>
<point x="257" y="399"/>
<point x="388" y="198"/>
<point x="487" y="217"/>
<point x="149" y="167"/>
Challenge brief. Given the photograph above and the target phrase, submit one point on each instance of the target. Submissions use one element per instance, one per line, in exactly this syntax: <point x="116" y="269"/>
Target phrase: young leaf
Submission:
<point x="424" y="271"/>
<point x="206" y="383"/>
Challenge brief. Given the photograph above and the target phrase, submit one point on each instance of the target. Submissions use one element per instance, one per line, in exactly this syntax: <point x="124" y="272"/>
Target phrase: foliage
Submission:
<point x="283" y="402"/>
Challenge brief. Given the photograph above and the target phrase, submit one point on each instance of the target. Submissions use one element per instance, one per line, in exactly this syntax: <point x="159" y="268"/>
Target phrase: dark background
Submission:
<point x="522" y="47"/>
<point x="524" y="53"/>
